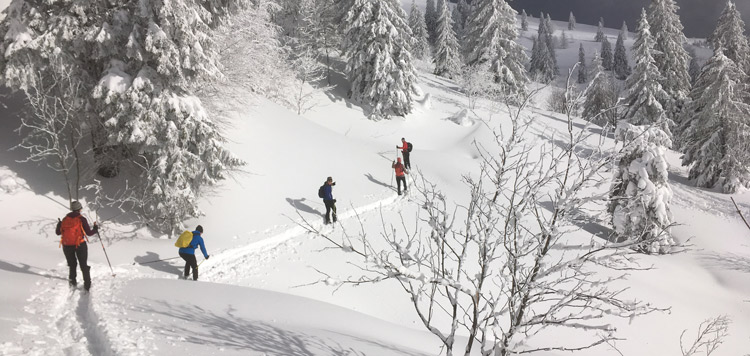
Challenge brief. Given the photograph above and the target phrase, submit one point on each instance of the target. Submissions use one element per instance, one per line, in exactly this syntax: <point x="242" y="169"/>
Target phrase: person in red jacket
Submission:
<point x="400" y="177"/>
<point x="405" y="152"/>
<point x="74" y="228"/>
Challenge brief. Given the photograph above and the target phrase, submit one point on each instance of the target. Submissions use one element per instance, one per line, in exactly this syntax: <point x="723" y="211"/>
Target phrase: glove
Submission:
<point x="334" y="201"/>
<point x="207" y="257"/>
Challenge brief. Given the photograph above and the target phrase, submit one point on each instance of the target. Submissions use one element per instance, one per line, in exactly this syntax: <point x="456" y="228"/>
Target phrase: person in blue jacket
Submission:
<point x="328" y="200"/>
<point x="188" y="253"/>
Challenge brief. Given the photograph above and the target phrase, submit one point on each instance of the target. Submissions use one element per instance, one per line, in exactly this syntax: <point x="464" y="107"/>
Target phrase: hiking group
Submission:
<point x="74" y="228"/>
<point x="325" y="191"/>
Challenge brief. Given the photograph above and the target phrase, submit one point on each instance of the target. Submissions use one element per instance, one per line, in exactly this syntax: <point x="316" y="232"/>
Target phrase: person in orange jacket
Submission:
<point x="74" y="228"/>
<point x="405" y="152"/>
<point x="400" y="177"/>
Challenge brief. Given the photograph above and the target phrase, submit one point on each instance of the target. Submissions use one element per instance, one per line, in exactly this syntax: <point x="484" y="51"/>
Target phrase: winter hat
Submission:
<point x="199" y="229"/>
<point x="329" y="179"/>
<point x="76" y="205"/>
<point x="398" y="159"/>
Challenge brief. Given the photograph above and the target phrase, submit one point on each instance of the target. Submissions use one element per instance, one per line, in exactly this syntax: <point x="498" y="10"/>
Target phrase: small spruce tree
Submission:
<point x="607" y="57"/>
<point x="571" y="22"/>
<point x="447" y="58"/>
<point x="620" y="64"/>
<point x="582" y="70"/>
<point x="600" y="32"/>
<point x="421" y="43"/>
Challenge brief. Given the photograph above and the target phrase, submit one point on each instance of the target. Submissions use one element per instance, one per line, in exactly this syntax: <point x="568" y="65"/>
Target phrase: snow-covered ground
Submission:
<point x="257" y="293"/>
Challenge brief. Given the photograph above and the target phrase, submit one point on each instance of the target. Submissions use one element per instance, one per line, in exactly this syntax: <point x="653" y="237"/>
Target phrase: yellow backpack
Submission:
<point x="186" y="237"/>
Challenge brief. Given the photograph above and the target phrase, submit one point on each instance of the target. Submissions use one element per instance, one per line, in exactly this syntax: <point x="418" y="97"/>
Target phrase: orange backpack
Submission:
<point x="72" y="231"/>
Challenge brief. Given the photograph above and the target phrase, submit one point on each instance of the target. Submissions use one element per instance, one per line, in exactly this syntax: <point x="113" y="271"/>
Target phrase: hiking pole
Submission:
<point x="164" y="259"/>
<point x="105" y="252"/>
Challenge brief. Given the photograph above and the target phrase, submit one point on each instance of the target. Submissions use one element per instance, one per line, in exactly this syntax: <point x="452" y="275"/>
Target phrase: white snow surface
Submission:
<point x="257" y="293"/>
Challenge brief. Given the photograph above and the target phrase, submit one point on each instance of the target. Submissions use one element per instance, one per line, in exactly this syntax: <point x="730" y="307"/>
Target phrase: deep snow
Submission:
<point x="256" y="294"/>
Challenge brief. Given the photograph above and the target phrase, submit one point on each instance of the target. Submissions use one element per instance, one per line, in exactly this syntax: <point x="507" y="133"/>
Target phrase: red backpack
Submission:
<point x="72" y="231"/>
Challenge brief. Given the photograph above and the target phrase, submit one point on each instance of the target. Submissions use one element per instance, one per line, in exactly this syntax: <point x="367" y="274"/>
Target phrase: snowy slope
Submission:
<point x="256" y="295"/>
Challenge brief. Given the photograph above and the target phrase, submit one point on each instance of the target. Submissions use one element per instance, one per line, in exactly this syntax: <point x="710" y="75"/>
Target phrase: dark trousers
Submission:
<point x="190" y="262"/>
<point x="398" y="182"/>
<point x="78" y="255"/>
<point x="330" y="207"/>
<point x="407" y="163"/>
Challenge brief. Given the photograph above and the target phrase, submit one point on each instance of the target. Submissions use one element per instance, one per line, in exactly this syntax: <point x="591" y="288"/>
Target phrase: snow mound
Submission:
<point x="462" y="118"/>
<point x="10" y="183"/>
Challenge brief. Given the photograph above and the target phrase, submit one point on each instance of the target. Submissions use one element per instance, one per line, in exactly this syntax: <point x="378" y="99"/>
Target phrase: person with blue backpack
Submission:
<point x="188" y="253"/>
<point x="326" y="192"/>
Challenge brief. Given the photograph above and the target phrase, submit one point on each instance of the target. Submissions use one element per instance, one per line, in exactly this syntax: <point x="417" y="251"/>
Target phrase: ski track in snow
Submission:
<point x="71" y="322"/>
<point x="234" y="261"/>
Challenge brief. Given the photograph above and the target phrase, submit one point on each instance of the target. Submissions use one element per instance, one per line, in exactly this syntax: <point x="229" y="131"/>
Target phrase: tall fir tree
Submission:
<point x="491" y="35"/>
<point x="670" y="54"/>
<point x="458" y="22"/>
<point x="620" y="65"/>
<point x="379" y="63"/>
<point x="524" y="21"/>
<point x="318" y="32"/>
<point x="645" y="93"/>
<point x="582" y="68"/>
<point x="152" y="121"/>
<point x="600" y="32"/>
<point x="465" y="9"/>
<point x="694" y="68"/>
<point x="717" y="127"/>
<point x="571" y="22"/>
<point x="624" y="30"/>
<point x="607" y="56"/>
<point x="430" y="17"/>
<point x="542" y="67"/>
<point x="598" y="106"/>
<point x="729" y="35"/>
<point x="447" y="57"/>
<point x="421" y="43"/>
<point x="549" y="37"/>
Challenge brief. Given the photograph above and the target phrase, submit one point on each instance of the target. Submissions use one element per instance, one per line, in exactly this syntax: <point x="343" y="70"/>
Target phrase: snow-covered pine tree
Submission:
<point x="524" y="21"/>
<point x="421" y="43"/>
<point x="620" y="65"/>
<point x="542" y="67"/>
<point x="645" y="93"/>
<point x="582" y="70"/>
<point x="465" y="9"/>
<point x="729" y="35"/>
<point x="598" y="106"/>
<point x="458" y="22"/>
<point x="318" y="33"/>
<point x="379" y="64"/>
<point x="141" y="72"/>
<point x="548" y="35"/>
<point x="491" y="35"/>
<point x="600" y="32"/>
<point x="670" y="54"/>
<point x="447" y="57"/>
<point x="564" y="42"/>
<point x="640" y="196"/>
<point x="606" y="54"/>
<point x="624" y="30"/>
<point x="571" y="22"/>
<point x="430" y="18"/>
<point x="716" y="127"/>
<point x="550" y="25"/>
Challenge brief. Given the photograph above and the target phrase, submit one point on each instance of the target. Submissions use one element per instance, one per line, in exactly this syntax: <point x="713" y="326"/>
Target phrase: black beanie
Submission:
<point x="199" y="229"/>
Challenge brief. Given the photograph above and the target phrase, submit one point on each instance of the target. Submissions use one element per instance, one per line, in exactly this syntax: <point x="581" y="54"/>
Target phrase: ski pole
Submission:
<point x="164" y="259"/>
<point x="204" y="260"/>
<point x="105" y="252"/>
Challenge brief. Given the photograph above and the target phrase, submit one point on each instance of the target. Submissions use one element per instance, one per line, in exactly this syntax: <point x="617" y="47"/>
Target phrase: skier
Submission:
<point x="73" y="229"/>
<point x="399" y="174"/>
<point x="405" y="152"/>
<point x="188" y="253"/>
<point x="328" y="200"/>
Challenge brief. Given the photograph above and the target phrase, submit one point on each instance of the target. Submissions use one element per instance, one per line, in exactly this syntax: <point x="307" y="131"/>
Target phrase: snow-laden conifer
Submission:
<point x="729" y="35"/>
<point x="606" y="54"/>
<point x="598" y="106"/>
<point x="421" y="43"/>
<point x="430" y="17"/>
<point x="645" y="93"/>
<point x="542" y="67"/>
<point x="717" y="127"/>
<point x="571" y="22"/>
<point x="138" y="74"/>
<point x="582" y="69"/>
<point x="564" y="42"/>
<point x="491" y="35"/>
<point x="600" y="32"/>
<point x="624" y="30"/>
<point x="447" y="58"/>
<point x="620" y="65"/>
<point x="379" y="64"/>
<point x="694" y="68"/>
<point x="318" y="33"/>
<point x="671" y="57"/>
<point x="640" y="196"/>
<point x="524" y="20"/>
